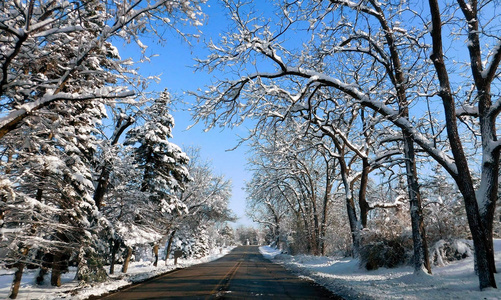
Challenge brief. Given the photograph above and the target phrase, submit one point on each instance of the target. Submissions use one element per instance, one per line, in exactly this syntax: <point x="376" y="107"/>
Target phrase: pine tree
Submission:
<point x="162" y="164"/>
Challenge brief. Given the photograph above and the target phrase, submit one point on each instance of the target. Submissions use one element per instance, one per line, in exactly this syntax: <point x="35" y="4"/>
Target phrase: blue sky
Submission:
<point x="174" y="64"/>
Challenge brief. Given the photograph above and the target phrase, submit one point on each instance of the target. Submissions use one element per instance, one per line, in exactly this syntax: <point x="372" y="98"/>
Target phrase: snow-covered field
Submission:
<point x="345" y="278"/>
<point x="71" y="290"/>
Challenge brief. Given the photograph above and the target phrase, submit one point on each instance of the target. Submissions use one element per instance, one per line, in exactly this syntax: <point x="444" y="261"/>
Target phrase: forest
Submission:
<point x="373" y="131"/>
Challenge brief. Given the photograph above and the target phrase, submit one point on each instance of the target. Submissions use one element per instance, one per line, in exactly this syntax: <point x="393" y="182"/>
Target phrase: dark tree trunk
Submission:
<point x="18" y="275"/>
<point x="355" y="232"/>
<point x="316" y="230"/>
<point x="115" y="245"/>
<point x="41" y="274"/>
<point x="325" y="210"/>
<point x="479" y="225"/>
<point x="155" y="253"/>
<point x="169" y="245"/>
<point x="421" y="256"/>
<point x="102" y="186"/>
<point x="16" y="282"/>
<point x="277" y="235"/>
<point x="57" y="269"/>
<point x="362" y="193"/>
<point x="350" y="204"/>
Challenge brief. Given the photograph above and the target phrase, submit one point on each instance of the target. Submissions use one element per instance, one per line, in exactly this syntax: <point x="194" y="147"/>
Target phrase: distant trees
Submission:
<point x="376" y="56"/>
<point x="297" y="174"/>
<point x="248" y="236"/>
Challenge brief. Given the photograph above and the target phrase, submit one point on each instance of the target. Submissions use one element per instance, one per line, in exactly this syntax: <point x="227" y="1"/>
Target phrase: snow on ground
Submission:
<point x="70" y="288"/>
<point x="345" y="278"/>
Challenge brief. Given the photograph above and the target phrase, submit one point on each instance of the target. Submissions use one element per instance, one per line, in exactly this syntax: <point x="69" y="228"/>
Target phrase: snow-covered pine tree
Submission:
<point x="162" y="165"/>
<point x="53" y="217"/>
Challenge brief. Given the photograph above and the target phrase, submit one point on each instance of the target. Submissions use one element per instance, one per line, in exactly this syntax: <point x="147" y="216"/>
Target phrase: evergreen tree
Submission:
<point x="162" y="164"/>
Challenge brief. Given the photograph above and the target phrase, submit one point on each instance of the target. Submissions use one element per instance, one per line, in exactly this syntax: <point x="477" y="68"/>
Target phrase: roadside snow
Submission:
<point x="269" y="252"/>
<point x="345" y="278"/>
<point x="70" y="289"/>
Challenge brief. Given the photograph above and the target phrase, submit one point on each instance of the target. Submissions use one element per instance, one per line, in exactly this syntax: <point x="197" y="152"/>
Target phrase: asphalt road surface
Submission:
<point x="242" y="274"/>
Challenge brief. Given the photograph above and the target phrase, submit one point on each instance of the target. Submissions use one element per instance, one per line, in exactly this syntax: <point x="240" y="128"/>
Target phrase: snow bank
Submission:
<point x="344" y="277"/>
<point x="138" y="271"/>
<point x="269" y="252"/>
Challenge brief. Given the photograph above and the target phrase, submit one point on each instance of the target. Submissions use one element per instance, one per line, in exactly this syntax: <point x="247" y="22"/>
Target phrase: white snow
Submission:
<point x="138" y="271"/>
<point x="344" y="277"/>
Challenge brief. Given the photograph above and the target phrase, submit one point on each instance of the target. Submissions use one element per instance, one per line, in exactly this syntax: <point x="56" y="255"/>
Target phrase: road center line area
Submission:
<point x="242" y="274"/>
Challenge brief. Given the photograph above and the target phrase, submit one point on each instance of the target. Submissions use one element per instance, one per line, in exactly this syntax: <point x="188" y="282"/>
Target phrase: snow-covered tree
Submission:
<point x="48" y="46"/>
<point x="206" y="197"/>
<point x="54" y="214"/>
<point x="207" y="194"/>
<point x="443" y="207"/>
<point x="162" y="165"/>
<point x="121" y="203"/>
<point x="297" y="172"/>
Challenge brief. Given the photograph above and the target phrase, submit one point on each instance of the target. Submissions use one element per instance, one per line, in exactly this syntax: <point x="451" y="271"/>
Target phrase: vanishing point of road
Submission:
<point x="242" y="274"/>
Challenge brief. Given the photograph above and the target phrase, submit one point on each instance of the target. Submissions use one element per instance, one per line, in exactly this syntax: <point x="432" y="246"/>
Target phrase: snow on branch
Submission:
<point x="398" y="202"/>
<point x="490" y="72"/>
<point x="467" y="110"/>
<point x="13" y="118"/>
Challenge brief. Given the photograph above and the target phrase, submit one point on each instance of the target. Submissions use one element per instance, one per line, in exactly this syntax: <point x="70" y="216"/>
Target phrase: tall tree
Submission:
<point x="162" y="163"/>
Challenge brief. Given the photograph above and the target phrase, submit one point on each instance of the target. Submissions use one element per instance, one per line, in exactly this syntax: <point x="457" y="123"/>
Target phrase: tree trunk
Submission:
<point x="41" y="274"/>
<point x="169" y="245"/>
<point x="57" y="266"/>
<point x="103" y="181"/>
<point x="277" y="236"/>
<point x="350" y="204"/>
<point x="16" y="283"/>
<point x="155" y="253"/>
<point x="325" y="210"/>
<point x="362" y="193"/>
<point x="462" y="176"/>
<point x="421" y="256"/>
<point x="355" y="232"/>
<point x="316" y="230"/>
<point x="323" y="227"/>
<point x="125" y="266"/>
<point x="489" y="184"/>
<point x="115" y="245"/>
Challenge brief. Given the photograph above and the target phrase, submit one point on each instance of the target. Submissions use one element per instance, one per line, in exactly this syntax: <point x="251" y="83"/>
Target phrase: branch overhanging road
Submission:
<point x="242" y="274"/>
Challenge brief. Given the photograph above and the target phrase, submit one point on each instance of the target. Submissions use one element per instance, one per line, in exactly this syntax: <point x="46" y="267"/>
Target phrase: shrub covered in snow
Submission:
<point x="386" y="253"/>
<point x="445" y="251"/>
<point x="194" y="245"/>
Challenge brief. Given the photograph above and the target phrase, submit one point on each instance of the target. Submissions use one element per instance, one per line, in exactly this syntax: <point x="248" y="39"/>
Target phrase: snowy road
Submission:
<point x="242" y="274"/>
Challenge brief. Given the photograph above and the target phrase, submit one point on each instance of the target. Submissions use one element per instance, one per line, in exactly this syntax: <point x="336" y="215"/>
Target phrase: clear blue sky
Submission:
<point x="174" y="64"/>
